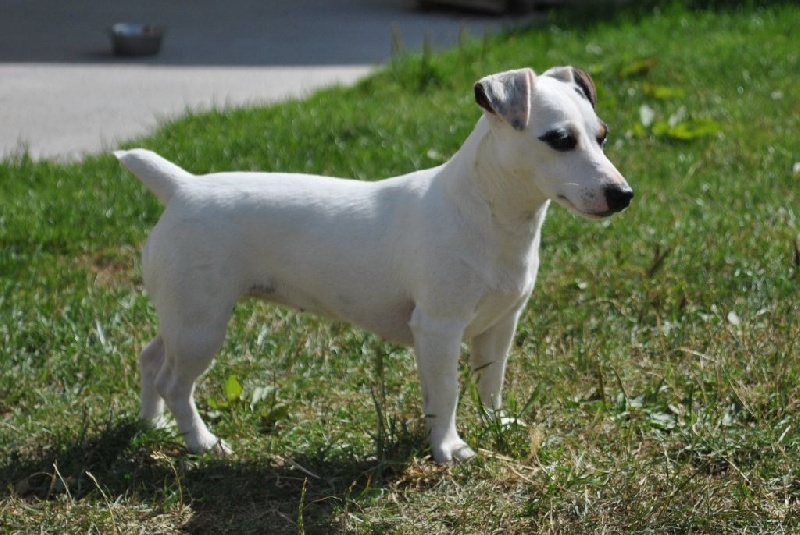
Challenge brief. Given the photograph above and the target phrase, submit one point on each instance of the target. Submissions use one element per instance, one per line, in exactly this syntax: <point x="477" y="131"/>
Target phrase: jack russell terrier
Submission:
<point x="430" y="259"/>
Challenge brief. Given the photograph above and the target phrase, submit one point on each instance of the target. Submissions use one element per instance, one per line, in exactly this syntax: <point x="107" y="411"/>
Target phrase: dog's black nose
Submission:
<point x="618" y="197"/>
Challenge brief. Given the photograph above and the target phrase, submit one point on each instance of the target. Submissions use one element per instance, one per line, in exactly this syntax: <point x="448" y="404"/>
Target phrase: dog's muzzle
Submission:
<point x="618" y="197"/>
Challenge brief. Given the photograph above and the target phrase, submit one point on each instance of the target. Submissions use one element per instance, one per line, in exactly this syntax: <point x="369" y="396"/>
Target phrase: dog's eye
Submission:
<point x="560" y="140"/>
<point x="603" y="136"/>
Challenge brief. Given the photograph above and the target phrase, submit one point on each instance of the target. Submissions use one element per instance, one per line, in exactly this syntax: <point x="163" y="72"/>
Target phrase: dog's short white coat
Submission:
<point x="428" y="259"/>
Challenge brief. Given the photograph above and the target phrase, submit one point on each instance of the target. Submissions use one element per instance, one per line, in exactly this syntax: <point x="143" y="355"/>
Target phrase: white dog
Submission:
<point x="428" y="259"/>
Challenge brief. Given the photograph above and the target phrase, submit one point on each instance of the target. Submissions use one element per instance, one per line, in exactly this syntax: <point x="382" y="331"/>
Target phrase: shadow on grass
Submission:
<point x="127" y="464"/>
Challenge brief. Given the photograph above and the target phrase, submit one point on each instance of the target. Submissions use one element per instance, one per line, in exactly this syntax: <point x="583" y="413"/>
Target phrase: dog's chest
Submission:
<point x="506" y="288"/>
<point x="495" y="306"/>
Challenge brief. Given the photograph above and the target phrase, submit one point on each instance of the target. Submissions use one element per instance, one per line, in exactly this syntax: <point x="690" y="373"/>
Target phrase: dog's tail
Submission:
<point x="161" y="176"/>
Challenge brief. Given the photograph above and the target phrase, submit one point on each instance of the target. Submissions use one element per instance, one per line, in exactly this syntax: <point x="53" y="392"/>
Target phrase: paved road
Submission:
<point x="63" y="94"/>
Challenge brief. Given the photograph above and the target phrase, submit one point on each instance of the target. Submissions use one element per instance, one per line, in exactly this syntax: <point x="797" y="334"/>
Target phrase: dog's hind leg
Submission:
<point x="189" y="352"/>
<point x="151" y="359"/>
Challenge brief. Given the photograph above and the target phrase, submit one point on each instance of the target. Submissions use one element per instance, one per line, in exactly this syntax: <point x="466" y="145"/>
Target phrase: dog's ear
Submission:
<point x="508" y="95"/>
<point x="586" y="83"/>
<point x="580" y="78"/>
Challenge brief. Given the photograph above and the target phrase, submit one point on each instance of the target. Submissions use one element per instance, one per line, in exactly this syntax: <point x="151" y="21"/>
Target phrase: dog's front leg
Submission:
<point x="437" y="345"/>
<point x="489" y="353"/>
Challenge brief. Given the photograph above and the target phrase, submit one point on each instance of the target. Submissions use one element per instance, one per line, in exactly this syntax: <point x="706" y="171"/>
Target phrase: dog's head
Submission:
<point x="552" y="135"/>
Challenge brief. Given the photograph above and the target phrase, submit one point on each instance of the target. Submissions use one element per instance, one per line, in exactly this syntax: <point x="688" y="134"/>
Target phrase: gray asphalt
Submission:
<point x="63" y="94"/>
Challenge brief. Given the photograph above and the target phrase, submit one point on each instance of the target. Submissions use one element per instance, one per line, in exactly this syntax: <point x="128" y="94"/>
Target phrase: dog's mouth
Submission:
<point x="564" y="201"/>
<point x="595" y="202"/>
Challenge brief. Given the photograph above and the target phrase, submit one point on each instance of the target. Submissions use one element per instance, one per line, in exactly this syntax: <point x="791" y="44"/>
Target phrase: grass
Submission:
<point x="656" y="367"/>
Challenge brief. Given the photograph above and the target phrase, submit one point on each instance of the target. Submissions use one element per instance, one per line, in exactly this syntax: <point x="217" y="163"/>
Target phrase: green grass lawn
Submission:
<point x="656" y="366"/>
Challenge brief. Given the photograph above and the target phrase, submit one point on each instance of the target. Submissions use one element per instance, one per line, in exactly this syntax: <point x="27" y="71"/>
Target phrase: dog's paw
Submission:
<point x="158" y="422"/>
<point x="452" y="450"/>
<point x="206" y="442"/>
<point x="221" y="449"/>
<point x="505" y="422"/>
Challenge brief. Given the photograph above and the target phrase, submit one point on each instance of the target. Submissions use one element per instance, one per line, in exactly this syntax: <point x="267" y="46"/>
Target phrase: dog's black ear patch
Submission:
<point x="586" y="84"/>
<point x="481" y="98"/>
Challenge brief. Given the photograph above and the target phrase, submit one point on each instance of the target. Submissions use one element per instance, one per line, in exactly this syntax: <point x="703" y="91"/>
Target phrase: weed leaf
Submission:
<point x="687" y="130"/>
<point x="638" y="68"/>
<point x="233" y="389"/>
<point x="663" y="92"/>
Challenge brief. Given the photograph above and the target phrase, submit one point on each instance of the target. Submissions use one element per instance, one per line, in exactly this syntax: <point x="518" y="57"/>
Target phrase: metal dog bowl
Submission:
<point x="131" y="39"/>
